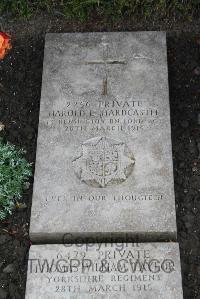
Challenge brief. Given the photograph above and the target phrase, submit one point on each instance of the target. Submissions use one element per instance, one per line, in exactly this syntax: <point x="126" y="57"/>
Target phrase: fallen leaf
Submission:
<point x="5" y="44"/>
<point x="2" y="126"/>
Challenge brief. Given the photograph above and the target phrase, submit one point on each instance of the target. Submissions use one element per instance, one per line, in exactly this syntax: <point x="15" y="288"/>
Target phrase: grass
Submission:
<point x="14" y="174"/>
<point x="109" y="9"/>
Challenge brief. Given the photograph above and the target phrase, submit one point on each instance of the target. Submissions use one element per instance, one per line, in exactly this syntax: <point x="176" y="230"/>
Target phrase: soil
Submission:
<point x="20" y="85"/>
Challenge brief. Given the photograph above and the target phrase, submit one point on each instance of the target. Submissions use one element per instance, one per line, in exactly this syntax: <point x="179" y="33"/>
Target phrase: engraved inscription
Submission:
<point x="104" y="162"/>
<point x="118" y="270"/>
<point x="122" y="115"/>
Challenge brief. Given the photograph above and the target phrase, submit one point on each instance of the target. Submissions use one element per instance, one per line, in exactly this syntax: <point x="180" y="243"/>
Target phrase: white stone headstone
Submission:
<point x="104" y="162"/>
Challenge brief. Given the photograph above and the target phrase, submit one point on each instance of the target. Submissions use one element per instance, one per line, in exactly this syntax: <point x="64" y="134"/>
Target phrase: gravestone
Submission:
<point x="94" y="271"/>
<point x="104" y="162"/>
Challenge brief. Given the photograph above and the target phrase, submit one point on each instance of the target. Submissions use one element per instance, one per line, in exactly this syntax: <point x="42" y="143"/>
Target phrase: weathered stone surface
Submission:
<point x="104" y="163"/>
<point x="101" y="271"/>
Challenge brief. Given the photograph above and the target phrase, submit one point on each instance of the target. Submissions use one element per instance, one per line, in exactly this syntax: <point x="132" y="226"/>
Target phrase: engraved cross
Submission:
<point x="106" y="61"/>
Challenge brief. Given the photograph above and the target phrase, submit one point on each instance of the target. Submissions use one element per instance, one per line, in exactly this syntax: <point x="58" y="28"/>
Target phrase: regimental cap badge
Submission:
<point x="104" y="162"/>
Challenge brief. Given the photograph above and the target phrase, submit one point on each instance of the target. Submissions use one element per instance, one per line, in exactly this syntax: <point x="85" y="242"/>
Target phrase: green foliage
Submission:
<point x="14" y="174"/>
<point x="16" y="7"/>
<point x="25" y="8"/>
<point x="113" y="9"/>
<point x="119" y="9"/>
